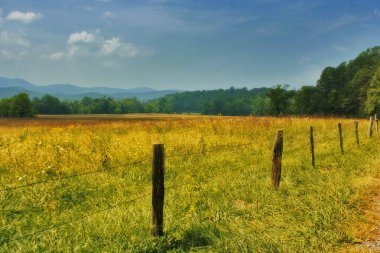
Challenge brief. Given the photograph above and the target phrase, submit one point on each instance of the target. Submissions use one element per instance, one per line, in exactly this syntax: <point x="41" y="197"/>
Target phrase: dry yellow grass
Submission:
<point x="226" y="203"/>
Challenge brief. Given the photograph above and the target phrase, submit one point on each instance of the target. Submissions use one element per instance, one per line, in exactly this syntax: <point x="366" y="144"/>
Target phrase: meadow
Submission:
<point x="83" y="184"/>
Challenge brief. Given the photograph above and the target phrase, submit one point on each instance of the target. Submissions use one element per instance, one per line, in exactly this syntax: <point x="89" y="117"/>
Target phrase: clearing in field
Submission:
<point x="83" y="184"/>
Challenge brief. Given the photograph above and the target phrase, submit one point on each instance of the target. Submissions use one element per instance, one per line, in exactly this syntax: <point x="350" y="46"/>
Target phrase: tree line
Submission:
<point x="350" y="89"/>
<point x="226" y="102"/>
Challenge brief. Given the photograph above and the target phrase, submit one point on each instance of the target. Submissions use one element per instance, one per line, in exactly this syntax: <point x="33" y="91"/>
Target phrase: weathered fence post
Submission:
<point x="277" y="157"/>
<point x="158" y="189"/>
<point x="312" y="146"/>
<point x="340" y="137"/>
<point x="370" y="126"/>
<point x="357" y="132"/>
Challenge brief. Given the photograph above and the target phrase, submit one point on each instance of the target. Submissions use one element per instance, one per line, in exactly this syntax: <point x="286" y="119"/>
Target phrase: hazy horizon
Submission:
<point x="184" y="45"/>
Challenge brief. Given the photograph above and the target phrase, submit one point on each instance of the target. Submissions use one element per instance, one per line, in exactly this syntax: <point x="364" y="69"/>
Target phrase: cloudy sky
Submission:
<point x="182" y="44"/>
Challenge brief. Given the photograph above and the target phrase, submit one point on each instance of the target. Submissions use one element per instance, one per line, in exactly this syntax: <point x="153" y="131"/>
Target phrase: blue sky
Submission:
<point x="186" y="44"/>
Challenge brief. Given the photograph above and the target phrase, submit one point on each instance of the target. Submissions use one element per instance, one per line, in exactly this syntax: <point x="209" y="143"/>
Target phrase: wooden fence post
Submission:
<point x="370" y="126"/>
<point x="158" y="189"/>
<point x="312" y="146"/>
<point x="357" y="132"/>
<point x="340" y="137"/>
<point x="376" y="123"/>
<point x="277" y="157"/>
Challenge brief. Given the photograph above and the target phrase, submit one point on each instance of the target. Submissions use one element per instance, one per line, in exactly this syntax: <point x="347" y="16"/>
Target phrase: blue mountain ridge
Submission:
<point x="12" y="86"/>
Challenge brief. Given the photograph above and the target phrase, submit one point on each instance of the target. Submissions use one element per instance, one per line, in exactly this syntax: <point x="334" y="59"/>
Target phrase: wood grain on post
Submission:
<point x="357" y="132"/>
<point x="158" y="189"/>
<point x="340" y="137"/>
<point x="312" y="146"/>
<point x="377" y="125"/>
<point x="277" y="157"/>
<point x="370" y="131"/>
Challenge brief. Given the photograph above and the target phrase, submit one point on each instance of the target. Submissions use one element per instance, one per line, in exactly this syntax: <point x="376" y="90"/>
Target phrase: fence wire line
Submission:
<point x="217" y="174"/>
<point x="202" y="152"/>
<point x="72" y="176"/>
<point x="83" y="217"/>
<point x="117" y="205"/>
<point x="215" y="149"/>
<point x="121" y="204"/>
<point x="220" y="148"/>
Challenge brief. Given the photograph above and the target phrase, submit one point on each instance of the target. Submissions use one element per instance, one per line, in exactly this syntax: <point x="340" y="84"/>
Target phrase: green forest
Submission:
<point x="350" y="89"/>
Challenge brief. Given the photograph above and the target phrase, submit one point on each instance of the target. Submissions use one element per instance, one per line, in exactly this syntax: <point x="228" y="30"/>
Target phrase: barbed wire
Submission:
<point x="72" y="176"/>
<point x="201" y="152"/>
<point x="83" y="217"/>
<point x="207" y="151"/>
<point x="80" y="218"/>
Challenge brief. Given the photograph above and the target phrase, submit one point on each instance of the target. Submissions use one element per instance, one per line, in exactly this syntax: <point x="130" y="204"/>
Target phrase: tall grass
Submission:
<point x="218" y="198"/>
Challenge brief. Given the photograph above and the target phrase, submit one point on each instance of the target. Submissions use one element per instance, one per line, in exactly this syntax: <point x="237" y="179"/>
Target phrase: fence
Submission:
<point x="158" y="177"/>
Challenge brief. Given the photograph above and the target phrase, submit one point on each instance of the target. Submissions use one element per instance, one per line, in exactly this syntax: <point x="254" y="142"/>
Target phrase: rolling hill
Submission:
<point x="12" y="86"/>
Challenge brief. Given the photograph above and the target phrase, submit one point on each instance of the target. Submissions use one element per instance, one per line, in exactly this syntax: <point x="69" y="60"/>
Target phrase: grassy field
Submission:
<point x="83" y="184"/>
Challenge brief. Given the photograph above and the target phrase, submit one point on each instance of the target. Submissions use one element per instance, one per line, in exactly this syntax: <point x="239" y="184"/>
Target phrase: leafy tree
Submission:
<point x="5" y="104"/>
<point x="372" y="104"/>
<point x="308" y="100"/>
<point x="280" y="98"/>
<point x="345" y="87"/>
<point x="21" y="106"/>
<point x="259" y="105"/>
<point x="50" y="105"/>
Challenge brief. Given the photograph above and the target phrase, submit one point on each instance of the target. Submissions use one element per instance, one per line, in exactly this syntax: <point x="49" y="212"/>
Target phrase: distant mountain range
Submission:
<point x="10" y="87"/>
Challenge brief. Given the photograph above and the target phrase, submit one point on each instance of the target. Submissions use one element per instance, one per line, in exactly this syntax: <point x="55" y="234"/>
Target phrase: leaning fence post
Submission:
<point x="312" y="146"/>
<point x="158" y="171"/>
<point x="277" y="157"/>
<point x="340" y="137"/>
<point x="370" y="126"/>
<point x="357" y="132"/>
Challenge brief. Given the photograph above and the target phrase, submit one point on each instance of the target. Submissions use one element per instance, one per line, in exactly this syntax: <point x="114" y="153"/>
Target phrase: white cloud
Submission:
<point x="82" y="37"/>
<point x="109" y="46"/>
<point x="72" y="51"/>
<point x="118" y="47"/>
<point x="12" y="55"/>
<point x="24" y="17"/>
<point x="13" y="46"/>
<point x="56" y="56"/>
<point x="13" y="39"/>
<point x="93" y="45"/>
<point x="108" y="14"/>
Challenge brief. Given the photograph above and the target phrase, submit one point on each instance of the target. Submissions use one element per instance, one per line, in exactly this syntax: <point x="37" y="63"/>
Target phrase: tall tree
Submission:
<point x="21" y="106"/>
<point x="280" y="98"/>
<point x="372" y="104"/>
<point x="308" y="100"/>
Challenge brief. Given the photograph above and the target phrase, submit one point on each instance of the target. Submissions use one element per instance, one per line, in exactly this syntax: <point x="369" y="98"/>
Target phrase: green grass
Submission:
<point x="218" y="199"/>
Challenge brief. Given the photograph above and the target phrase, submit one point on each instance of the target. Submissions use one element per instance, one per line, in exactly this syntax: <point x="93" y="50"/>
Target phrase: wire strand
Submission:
<point x="83" y="217"/>
<point x="71" y="176"/>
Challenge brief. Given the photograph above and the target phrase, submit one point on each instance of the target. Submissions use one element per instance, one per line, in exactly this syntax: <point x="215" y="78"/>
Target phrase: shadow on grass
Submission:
<point x="197" y="237"/>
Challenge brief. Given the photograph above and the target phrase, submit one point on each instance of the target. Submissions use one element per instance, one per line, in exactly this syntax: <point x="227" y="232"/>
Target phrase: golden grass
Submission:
<point x="225" y="203"/>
